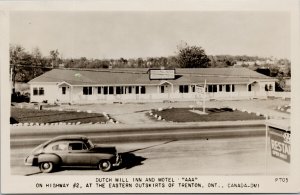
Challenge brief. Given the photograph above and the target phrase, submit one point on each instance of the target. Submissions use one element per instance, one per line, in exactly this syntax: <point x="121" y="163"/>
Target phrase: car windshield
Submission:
<point x="89" y="144"/>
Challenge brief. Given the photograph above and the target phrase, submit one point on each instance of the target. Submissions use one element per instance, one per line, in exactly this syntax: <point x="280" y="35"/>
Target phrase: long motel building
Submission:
<point x="149" y="85"/>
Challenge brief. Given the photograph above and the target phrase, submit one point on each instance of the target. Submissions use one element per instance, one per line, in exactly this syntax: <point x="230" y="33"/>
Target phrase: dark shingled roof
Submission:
<point x="135" y="76"/>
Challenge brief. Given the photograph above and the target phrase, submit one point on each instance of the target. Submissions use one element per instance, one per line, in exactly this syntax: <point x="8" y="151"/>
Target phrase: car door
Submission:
<point x="78" y="154"/>
<point x="59" y="149"/>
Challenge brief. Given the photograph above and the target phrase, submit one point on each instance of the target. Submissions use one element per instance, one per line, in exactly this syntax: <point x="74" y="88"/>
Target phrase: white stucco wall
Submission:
<point x="64" y="98"/>
<point x="77" y="94"/>
<point x="241" y="87"/>
<point x="151" y="89"/>
<point x="50" y="92"/>
<point x="74" y="94"/>
<point x="176" y="88"/>
<point x="262" y="85"/>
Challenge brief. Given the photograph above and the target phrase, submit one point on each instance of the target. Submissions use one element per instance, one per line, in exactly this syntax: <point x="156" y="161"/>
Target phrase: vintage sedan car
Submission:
<point x="72" y="150"/>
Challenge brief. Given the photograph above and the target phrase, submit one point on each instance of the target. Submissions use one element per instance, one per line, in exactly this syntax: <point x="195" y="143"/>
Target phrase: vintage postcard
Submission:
<point x="150" y="96"/>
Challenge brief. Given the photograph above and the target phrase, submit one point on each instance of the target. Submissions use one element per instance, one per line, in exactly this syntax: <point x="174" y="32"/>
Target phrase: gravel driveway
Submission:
<point x="134" y="113"/>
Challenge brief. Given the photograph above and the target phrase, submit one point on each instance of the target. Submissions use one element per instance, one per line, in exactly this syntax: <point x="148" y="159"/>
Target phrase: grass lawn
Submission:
<point x="214" y="114"/>
<point x="23" y="115"/>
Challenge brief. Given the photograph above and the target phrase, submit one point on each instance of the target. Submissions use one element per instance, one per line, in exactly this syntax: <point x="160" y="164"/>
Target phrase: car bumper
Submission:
<point x="31" y="160"/>
<point x="118" y="160"/>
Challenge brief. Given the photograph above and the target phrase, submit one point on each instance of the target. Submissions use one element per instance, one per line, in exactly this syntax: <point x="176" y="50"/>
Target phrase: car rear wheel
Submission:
<point x="104" y="165"/>
<point x="46" y="167"/>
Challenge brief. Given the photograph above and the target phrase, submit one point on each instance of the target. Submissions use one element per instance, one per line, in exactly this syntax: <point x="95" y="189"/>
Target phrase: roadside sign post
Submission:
<point x="204" y="96"/>
<point x="201" y="90"/>
<point x="266" y="148"/>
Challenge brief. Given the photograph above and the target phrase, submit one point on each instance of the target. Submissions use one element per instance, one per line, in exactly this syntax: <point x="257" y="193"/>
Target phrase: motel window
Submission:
<point x="35" y="91"/>
<point x="183" y="88"/>
<point x="162" y="89"/>
<point x="63" y="90"/>
<point x="270" y="87"/>
<point x="249" y="88"/>
<point x="227" y="88"/>
<point x="212" y="88"/>
<point x="220" y="87"/>
<point x="209" y="88"/>
<point x="232" y="88"/>
<point x="41" y="91"/>
<point x="215" y="88"/>
<point x="111" y="90"/>
<point x="130" y="89"/>
<point x="105" y="90"/>
<point x="87" y="90"/>
<point x="119" y="90"/>
<point x="143" y="89"/>
<point x="193" y="88"/>
<point x="99" y="90"/>
<point x="137" y="89"/>
<point x="266" y="87"/>
<point x="38" y="91"/>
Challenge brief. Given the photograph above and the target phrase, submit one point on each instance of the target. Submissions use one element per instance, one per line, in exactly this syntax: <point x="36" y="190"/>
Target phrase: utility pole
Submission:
<point x="204" y="96"/>
<point x="13" y="78"/>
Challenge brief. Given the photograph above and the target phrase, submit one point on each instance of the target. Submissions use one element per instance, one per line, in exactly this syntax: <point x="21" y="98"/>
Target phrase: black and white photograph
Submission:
<point x="186" y="97"/>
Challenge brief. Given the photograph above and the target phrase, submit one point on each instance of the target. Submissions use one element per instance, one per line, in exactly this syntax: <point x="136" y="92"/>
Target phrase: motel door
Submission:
<point x="165" y="89"/>
<point x="64" y="94"/>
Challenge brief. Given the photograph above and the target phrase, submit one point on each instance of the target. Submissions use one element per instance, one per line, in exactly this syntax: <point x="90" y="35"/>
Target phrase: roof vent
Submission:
<point x="77" y="75"/>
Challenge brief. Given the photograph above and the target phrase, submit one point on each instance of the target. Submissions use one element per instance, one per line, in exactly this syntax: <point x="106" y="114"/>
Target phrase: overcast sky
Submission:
<point x="152" y="34"/>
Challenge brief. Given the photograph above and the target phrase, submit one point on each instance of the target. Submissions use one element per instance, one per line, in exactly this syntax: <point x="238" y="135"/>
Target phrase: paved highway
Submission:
<point x="213" y="151"/>
<point x="229" y="156"/>
<point x="32" y="136"/>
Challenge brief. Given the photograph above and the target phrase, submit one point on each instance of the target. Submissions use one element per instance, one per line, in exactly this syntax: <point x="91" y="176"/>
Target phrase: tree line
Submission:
<point x="27" y="65"/>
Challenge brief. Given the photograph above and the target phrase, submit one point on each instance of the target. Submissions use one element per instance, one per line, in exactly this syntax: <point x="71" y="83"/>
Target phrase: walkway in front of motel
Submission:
<point x="135" y="113"/>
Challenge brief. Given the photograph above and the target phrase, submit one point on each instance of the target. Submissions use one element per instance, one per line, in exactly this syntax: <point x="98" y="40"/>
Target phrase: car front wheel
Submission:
<point x="46" y="167"/>
<point x="104" y="165"/>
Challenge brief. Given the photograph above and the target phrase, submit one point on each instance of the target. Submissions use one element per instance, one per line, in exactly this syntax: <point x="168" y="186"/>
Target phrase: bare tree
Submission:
<point x="54" y="54"/>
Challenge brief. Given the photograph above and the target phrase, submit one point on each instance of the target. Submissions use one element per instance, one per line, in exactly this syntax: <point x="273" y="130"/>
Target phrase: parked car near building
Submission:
<point x="72" y="150"/>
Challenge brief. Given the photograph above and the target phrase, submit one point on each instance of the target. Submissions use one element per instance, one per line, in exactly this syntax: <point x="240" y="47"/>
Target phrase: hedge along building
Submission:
<point x="143" y="85"/>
